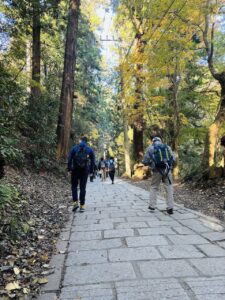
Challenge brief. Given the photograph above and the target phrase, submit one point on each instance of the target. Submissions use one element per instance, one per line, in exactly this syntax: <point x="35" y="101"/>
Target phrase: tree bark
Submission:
<point x="212" y="137"/>
<point x="67" y="91"/>
<point x="138" y="126"/>
<point x="175" y="129"/>
<point x="126" y="146"/>
<point x="36" y="50"/>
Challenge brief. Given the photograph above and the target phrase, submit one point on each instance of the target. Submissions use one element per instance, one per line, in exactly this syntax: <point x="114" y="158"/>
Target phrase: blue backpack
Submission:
<point x="80" y="158"/>
<point x="162" y="156"/>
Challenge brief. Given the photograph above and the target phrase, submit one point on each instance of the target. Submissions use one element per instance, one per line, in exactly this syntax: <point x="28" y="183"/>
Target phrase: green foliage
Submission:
<point x="39" y="128"/>
<point x="11" y="207"/>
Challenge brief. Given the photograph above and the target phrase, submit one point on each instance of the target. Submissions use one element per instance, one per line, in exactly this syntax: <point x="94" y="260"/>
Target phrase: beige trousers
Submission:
<point x="154" y="188"/>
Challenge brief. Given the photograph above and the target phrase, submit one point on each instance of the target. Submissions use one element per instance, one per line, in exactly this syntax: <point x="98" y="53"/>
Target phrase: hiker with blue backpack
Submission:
<point x="112" y="169"/>
<point x="81" y="161"/>
<point x="160" y="158"/>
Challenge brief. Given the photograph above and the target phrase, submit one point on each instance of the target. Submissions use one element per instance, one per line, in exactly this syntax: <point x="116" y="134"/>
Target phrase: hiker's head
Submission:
<point x="102" y="158"/>
<point x="156" y="139"/>
<point x="84" y="139"/>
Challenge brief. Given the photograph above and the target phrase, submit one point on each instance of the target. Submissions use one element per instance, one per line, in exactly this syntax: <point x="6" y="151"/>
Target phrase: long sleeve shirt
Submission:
<point x="90" y="154"/>
<point x="148" y="157"/>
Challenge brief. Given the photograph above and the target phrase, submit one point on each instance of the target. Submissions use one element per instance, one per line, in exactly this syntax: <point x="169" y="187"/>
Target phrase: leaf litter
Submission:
<point x="24" y="259"/>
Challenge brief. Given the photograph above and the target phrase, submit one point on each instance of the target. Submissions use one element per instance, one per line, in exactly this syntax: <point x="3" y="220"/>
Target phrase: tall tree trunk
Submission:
<point x="126" y="146"/>
<point x="212" y="137"/>
<point x="175" y="129"/>
<point x="2" y="164"/>
<point x="28" y="64"/>
<point x="138" y="126"/>
<point x="36" y="50"/>
<point x="66" y="99"/>
<point x="213" y="131"/>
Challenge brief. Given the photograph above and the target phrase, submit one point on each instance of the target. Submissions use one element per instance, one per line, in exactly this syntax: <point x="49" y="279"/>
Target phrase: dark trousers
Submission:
<point x="112" y="175"/>
<point x="79" y="177"/>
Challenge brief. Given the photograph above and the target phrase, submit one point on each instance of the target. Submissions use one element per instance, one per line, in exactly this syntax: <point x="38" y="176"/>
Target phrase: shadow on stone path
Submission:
<point x="118" y="250"/>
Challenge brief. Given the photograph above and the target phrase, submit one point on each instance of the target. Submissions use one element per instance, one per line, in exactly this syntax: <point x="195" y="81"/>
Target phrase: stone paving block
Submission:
<point x="57" y="261"/>
<point x="184" y="216"/>
<point x="180" y="251"/>
<point x="141" y="219"/>
<point x="93" y="227"/>
<point x="118" y="233"/>
<point x="112" y="220"/>
<point x="87" y="292"/>
<point x="191" y="239"/>
<point x="215" y="236"/>
<point x="212" y="250"/>
<point x="169" y="268"/>
<point x="98" y="216"/>
<point x="124" y="254"/>
<point x="85" y="222"/>
<point x="211" y="297"/>
<point x="61" y="246"/>
<point x="85" y="236"/>
<point x="207" y="288"/>
<point x="156" y="289"/>
<point x="221" y="244"/>
<point x="183" y="230"/>
<point x="124" y="214"/>
<point x="195" y="225"/>
<point x="95" y="245"/>
<point x="163" y="230"/>
<point x="98" y="273"/>
<point x="212" y="225"/>
<point x="47" y="296"/>
<point x="65" y="235"/>
<point x="172" y="223"/>
<point x="141" y="241"/>
<point x="131" y="225"/>
<point x="54" y="281"/>
<point x="86" y="257"/>
<point x="210" y="266"/>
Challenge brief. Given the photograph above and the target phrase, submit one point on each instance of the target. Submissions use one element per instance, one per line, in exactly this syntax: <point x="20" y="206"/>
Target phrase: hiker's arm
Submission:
<point x="70" y="160"/>
<point x="147" y="157"/>
<point x="92" y="158"/>
<point x="172" y="155"/>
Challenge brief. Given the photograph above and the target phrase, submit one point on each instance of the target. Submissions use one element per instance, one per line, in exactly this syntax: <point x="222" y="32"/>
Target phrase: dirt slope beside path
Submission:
<point x="24" y="257"/>
<point x="206" y="197"/>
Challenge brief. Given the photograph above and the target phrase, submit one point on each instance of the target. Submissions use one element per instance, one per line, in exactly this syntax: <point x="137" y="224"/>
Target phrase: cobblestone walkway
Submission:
<point x="118" y="250"/>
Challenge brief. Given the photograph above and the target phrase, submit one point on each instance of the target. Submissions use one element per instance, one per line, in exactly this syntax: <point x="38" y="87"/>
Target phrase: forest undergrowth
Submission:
<point x="34" y="214"/>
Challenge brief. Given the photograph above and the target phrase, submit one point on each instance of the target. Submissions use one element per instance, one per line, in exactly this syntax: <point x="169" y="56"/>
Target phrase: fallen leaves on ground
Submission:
<point x="24" y="261"/>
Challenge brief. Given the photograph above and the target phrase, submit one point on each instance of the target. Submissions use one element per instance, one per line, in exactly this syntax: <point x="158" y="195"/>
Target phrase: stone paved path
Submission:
<point x="118" y="250"/>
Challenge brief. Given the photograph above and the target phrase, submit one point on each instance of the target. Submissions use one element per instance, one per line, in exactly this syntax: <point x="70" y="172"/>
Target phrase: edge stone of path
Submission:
<point x="50" y="290"/>
<point x="53" y="287"/>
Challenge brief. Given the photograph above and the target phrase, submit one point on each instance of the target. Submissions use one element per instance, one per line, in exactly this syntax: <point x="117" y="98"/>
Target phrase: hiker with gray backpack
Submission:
<point x="160" y="158"/>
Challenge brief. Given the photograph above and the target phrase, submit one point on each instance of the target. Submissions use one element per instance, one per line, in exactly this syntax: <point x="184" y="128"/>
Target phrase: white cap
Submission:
<point x="156" y="139"/>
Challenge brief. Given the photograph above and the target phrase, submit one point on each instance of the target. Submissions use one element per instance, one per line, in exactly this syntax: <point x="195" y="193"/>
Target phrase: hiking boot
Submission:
<point x="75" y="205"/>
<point x="169" y="211"/>
<point x="151" y="208"/>
<point x="82" y="208"/>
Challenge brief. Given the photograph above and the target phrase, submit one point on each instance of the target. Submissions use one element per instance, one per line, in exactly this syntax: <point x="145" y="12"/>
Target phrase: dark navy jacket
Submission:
<point x="90" y="153"/>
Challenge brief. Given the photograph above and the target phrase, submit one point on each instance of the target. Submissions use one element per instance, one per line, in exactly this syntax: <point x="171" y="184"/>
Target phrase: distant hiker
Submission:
<point x="160" y="158"/>
<point x="102" y="168"/>
<point x="112" y="169"/>
<point x="93" y="175"/>
<point x="80" y="162"/>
